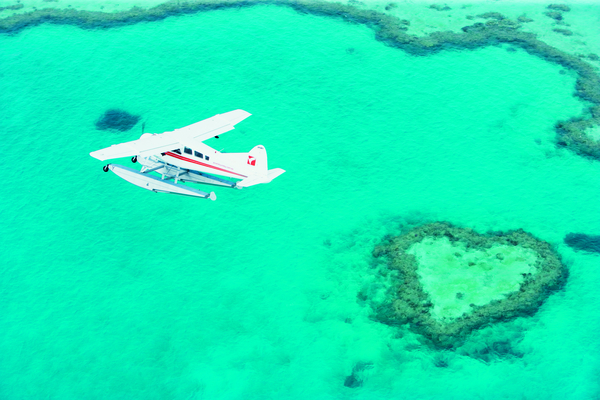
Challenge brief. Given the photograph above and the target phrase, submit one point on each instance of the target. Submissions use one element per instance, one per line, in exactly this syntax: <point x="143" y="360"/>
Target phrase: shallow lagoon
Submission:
<point x="114" y="292"/>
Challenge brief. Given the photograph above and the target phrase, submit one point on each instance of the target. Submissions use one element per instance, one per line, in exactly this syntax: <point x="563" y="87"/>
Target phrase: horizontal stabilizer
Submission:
<point x="155" y="184"/>
<point x="255" y="180"/>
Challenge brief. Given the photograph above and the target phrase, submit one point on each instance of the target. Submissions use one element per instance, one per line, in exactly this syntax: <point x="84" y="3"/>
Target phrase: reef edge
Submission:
<point x="388" y="29"/>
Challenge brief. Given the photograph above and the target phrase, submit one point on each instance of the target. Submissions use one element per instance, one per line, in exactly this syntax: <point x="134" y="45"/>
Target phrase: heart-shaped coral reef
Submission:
<point x="451" y="281"/>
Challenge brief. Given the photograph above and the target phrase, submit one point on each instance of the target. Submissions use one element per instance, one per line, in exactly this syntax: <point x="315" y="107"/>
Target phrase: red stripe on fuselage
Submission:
<point x="182" y="158"/>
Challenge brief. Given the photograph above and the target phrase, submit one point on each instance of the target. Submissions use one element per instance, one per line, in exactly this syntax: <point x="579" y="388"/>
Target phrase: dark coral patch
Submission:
<point x="490" y="352"/>
<point x="580" y="241"/>
<point x="440" y="7"/>
<point x="356" y="379"/>
<point x="524" y="19"/>
<point x="554" y="15"/>
<point x="559" y="7"/>
<point x="117" y="120"/>
<point x="492" y="15"/>
<point x="13" y="7"/>
<point x="565" y="32"/>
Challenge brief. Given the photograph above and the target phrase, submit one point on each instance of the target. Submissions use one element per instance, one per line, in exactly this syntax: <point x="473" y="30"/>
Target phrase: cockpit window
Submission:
<point x="197" y="154"/>
<point x="177" y="151"/>
<point x="187" y="150"/>
<point x="206" y="158"/>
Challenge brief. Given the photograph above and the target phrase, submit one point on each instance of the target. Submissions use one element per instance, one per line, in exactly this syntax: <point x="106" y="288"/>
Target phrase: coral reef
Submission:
<point x="490" y="352"/>
<point x="559" y="7"/>
<point x="492" y="15"/>
<point x="506" y="275"/>
<point x="524" y="19"/>
<point x="388" y="29"/>
<point x="440" y="7"/>
<point x="565" y="32"/>
<point x="580" y="241"/>
<point x="13" y="7"/>
<point x="117" y="120"/>
<point x="356" y="379"/>
<point x="554" y="15"/>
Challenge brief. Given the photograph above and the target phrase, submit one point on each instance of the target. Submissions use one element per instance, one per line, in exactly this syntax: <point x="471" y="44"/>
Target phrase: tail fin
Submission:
<point x="257" y="160"/>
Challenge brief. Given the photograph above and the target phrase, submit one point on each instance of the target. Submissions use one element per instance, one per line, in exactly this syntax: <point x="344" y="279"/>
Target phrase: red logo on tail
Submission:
<point x="251" y="160"/>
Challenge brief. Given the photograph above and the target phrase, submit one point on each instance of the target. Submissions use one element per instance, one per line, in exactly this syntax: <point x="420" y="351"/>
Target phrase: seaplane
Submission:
<point x="180" y="155"/>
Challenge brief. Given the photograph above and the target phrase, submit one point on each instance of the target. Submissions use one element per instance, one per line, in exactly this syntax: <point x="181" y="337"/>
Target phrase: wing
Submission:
<point x="150" y="144"/>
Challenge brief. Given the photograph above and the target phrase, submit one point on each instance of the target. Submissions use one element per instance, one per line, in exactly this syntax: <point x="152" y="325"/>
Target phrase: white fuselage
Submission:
<point x="204" y="158"/>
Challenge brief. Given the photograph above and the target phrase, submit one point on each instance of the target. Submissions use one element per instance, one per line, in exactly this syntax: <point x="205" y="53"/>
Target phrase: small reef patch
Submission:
<point x="559" y="7"/>
<point x="117" y="120"/>
<point x="440" y="7"/>
<point x="446" y="282"/>
<point x="356" y="378"/>
<point x="580" y="241"/>
<point x="13" y="7"/>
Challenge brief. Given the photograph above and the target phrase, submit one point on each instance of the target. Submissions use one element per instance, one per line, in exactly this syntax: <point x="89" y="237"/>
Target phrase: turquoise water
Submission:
<point x="113" y="292"/>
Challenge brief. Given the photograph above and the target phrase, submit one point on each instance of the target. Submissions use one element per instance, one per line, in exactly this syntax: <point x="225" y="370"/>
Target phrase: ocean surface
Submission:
<point x="108" y="291"/>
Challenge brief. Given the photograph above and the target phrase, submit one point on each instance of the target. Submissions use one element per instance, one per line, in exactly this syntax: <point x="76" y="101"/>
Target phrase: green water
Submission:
<point x="113" y="292"/>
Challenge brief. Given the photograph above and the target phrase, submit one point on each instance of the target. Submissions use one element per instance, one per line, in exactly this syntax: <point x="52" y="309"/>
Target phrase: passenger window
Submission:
<point x="187" y="150"/>
<point x="177" y="151"/>
<point x="198" y="154"/>
<point x="206" y="158"/>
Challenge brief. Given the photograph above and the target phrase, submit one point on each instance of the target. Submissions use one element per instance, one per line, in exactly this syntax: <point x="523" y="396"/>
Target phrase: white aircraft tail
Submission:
<point x="257" y="160"/>
<point x="258" y="168"/>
